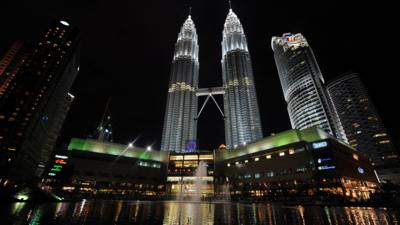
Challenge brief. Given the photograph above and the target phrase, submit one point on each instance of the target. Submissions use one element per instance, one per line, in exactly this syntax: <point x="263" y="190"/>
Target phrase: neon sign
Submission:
<point x="326" y="167"/>
<point x="321" y="160"/>
<point x="318" y="145"/>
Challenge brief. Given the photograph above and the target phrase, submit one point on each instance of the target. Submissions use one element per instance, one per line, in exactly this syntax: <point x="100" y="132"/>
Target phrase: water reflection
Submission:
<point x="182" y="213"/>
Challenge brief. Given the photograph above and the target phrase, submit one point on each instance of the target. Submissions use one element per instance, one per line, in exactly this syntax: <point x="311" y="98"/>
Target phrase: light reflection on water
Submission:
<point x="182" y="213"/>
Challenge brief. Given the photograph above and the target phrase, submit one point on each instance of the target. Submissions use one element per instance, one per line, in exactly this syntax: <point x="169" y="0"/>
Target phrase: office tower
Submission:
<point x="34" y="105"/>
<point x="104" y="129"/>
<point x="242" y="118"/>
<point x="303" y="85"/>
<point x="362" y="125"/>
<point x="180" y="125"/>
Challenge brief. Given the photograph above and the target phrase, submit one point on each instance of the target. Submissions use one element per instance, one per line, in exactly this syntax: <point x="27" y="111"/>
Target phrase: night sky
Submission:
<point x="127" y="48"/>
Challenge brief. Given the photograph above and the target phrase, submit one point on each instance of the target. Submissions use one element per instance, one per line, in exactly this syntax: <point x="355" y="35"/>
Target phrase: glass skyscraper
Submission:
<point x="303" y="85"/>
<point x="35" y="101"/>
<point x="362" y="125"/>
<point x="242" y="118"/>
<point x="180" y="124"/>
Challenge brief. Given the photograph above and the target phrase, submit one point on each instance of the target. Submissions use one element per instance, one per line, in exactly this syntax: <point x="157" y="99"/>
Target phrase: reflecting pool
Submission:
<point x="171" y="212"/>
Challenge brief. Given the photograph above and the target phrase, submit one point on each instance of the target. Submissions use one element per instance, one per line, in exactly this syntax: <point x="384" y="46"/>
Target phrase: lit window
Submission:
<point x="246" y="161"/>
<point x="176" y="157"/>
<point x="380" y="135"/>
<point x="191" y="157"/>
<point x="228" y="165"/>
<point x="355" y="156"/>
<point x="256" y="159"/>
<point x="237" y="163"/>
<point x="268" y="156"/>
<point x="206" y="157"/>
<point x="281" y="153"/>
<point x="291" y="151"/>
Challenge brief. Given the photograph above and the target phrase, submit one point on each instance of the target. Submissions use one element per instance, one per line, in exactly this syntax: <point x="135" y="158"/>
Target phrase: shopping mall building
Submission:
<point x="301" y="163"/>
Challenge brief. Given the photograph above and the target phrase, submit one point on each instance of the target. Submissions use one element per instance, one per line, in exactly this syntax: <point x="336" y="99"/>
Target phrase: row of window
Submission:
<point x="149" y="164"/>
<point x="270" y="174"/>
<point x="268" y="156"/>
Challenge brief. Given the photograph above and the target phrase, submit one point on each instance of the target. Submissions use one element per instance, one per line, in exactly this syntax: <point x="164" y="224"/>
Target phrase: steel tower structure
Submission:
<point x="180" y="125"/>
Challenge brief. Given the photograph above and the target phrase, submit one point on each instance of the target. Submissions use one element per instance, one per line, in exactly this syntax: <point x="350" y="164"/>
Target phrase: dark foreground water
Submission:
<point x="139" y="212"/>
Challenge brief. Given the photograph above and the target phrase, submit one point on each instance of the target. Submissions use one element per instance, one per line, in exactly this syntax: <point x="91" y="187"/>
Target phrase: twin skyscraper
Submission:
<point x="241" y="113"/>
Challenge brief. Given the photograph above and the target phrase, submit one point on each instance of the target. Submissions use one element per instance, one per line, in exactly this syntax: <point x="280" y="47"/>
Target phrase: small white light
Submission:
<point x="70" y="95"/>
<point x="148" y="148"/>
<point x="64" y="23"/>
<point x="130" y="145"/>
<point x="61" y="157"/>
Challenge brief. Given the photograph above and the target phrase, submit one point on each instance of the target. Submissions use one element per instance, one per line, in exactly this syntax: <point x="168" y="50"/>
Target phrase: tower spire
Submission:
<point x="190" y="11"/>
<point x="230" y="5"/>
<point x="104" y="130"/>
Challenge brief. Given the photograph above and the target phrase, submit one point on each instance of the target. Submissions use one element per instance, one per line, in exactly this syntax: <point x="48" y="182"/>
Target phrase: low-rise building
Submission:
<point x="306" y="164"/>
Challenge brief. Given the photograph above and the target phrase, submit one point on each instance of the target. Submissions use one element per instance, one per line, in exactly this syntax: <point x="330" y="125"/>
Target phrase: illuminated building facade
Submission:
<point x="362" y="125"/>
<point x="306" y="163"/>
<point x="99" y="169"/>
<point x="303" y="85"/>
<point x="241" y="113"/>
<point x="182" y="179"/>
<point x="34" y="105"/>
<point x="242" y="118"/>
<point x="180" y="124"/>
<point x="296" y="164"/>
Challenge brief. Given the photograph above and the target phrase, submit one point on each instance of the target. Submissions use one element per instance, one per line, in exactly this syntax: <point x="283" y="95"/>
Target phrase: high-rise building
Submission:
<point x="34" y="105"/>
<point x="362" y="125"/>
<point x="242" y="118"/>
<point x="303" y="85"/>
<point x="180" y="125"/>
<point x="10" y="64"/>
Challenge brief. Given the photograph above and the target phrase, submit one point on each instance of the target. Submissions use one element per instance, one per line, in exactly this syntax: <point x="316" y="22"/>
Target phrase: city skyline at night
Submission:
<point x="139" y="89"/>
<point x="199" y="112"/>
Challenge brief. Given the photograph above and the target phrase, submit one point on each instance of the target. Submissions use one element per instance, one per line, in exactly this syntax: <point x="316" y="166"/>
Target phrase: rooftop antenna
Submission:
<point x="190" y="11"/>
<point x="230" y="5"/>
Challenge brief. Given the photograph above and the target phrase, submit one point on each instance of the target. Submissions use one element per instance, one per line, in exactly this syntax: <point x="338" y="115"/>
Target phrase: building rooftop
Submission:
<point x="274" y="141"/>
<point x="281" y="139"/>
<point x="96" y="146"/>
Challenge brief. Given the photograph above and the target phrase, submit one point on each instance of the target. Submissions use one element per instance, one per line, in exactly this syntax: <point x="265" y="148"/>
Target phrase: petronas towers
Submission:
<point x="241" y="113"/>
<point x="180" y="124"/>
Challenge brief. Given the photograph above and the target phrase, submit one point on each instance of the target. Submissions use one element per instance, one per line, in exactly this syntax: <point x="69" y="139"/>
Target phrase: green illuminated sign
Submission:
<point x="90" y="145"/>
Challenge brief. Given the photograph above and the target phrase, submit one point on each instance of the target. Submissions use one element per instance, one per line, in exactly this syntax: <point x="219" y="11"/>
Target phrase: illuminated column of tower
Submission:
<point x="242" y="122"/>
<point x="180" y="125"/>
